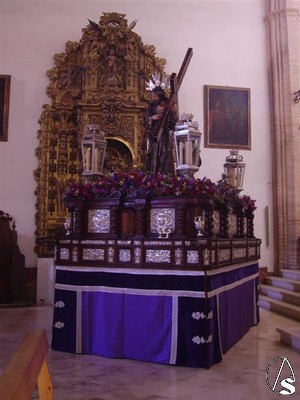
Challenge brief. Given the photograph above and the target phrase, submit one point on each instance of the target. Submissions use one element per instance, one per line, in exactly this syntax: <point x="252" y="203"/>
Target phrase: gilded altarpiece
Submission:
<point x="98" y="80"/>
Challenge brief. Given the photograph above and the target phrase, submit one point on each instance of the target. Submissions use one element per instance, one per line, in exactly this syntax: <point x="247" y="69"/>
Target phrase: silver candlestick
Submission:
<point x="199" y="222"/>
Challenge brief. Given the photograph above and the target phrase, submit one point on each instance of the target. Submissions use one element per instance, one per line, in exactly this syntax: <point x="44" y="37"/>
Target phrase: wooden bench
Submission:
<point x="27" y="369"/>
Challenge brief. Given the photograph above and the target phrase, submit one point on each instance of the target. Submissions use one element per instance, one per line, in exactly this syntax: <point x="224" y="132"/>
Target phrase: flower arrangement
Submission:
<point x="226" y="194"/>
<point x="135" y="183"/>
<point x="112" y="185"/>
<point x="248" y="203"/>
<point x="160" y="185"/>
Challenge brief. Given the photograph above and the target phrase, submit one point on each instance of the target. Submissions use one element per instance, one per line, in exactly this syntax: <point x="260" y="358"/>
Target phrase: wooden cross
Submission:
<point x="175" y="83"/>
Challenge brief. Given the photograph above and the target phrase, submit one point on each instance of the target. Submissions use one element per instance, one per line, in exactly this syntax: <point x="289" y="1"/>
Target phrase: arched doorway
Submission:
<point x="118" y="157"/>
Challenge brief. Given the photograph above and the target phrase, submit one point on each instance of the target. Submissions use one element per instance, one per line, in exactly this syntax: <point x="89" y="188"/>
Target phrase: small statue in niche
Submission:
<point x="159" y="156"/>
<point x="112" y="67"/>
<point x="112" y="63"/>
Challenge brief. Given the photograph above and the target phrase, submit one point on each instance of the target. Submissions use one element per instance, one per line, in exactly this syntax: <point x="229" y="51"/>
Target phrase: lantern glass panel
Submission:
<point x="99" y="157"/>
<point x="235" y="175"/>
<point x="87" y="149"/>
<point x="195" y="153"/>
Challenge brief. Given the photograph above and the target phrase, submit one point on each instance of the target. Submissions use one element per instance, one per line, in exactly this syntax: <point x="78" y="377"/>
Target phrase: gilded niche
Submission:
<point x="98" y="80"/>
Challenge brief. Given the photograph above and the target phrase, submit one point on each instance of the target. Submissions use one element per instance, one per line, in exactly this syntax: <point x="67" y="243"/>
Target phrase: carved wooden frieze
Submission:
<point x="98" y="80"/>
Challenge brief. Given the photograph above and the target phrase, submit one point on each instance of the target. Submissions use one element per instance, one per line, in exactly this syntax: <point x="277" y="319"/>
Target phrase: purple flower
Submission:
<point x="156" y="185"/>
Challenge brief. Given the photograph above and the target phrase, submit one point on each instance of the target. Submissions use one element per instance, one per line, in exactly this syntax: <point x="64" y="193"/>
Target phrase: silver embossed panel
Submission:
<point x="178" y="256"/>
<point x="137" y="255"/>
<point x="93" y="254"/>
<point x="206" y="257"/>
<point x="125" y="255"/>
<point x="158" y="256"/>
<point x="64" y="254"/>
<point x="239" y="253"/>
<point x="192" y="256"/>
<point x="99" y="221"/>
<point x="102" y="242"/>
<point x="157" y="243"/>
<point x="168" y="214"/>
<point x="75" y="254"/>
<point x="252" y="251"/>
<point x="224" y="255"/>
<point x="110" y="254"/>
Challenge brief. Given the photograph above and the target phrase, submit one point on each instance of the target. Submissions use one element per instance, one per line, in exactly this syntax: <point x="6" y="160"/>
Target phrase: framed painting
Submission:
<point x="227" y="117"/>
<point x="4" y="106"/>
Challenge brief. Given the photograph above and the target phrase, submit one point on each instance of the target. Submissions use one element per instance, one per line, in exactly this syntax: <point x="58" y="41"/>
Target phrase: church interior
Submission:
<point x="149" y="229"/>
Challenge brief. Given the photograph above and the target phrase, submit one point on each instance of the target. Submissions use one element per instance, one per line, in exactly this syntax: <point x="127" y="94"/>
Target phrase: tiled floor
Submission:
<point x="241" y="374"/>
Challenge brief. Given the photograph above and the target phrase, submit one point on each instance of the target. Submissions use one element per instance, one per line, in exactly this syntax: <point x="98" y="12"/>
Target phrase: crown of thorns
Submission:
<point x="158" y="80"/>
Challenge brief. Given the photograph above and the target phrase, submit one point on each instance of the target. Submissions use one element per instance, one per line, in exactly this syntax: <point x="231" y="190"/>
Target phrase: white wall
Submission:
<point x="229" y="44"/>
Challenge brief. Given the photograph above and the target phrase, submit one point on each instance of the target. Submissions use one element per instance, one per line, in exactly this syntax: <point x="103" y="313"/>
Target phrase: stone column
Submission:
<point x="283" y="33"/>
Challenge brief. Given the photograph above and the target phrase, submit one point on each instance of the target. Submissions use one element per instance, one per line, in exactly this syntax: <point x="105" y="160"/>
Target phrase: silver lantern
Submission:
<point x="234" y="170"/>
<point x="187" y="138"/>
<point x="93" y="146"/>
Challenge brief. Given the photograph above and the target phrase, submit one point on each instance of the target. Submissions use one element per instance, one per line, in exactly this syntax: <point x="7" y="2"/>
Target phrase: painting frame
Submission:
<point x="4" y="106"/>
<point x="227" y="117"/>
